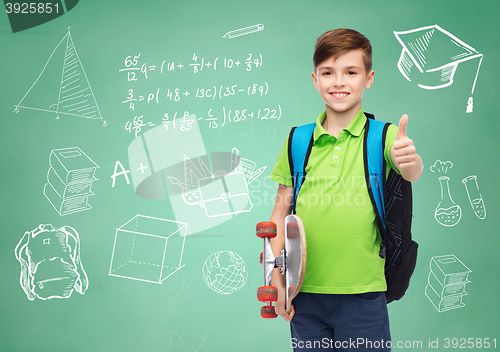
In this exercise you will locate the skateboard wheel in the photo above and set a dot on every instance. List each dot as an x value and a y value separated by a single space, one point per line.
261 257
266 229
267 312
267 294
293 230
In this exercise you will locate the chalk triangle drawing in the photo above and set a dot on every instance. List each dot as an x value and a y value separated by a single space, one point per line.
62 87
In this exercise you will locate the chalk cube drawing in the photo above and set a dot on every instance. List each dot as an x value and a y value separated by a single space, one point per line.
148 249
446 282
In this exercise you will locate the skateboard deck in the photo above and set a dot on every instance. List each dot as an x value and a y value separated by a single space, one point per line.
295 258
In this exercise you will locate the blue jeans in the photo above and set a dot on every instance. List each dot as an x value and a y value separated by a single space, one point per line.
328 322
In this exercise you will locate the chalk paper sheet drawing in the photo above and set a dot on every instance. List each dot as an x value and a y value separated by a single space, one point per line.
69 180
51 264
148 249
62 87
224 272
446 282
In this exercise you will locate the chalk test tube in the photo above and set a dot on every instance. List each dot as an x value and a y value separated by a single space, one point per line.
475 198
244 31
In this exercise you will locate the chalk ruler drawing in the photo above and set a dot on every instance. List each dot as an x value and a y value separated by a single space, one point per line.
69 180
204 189
446 282
62 87
51 265
224 272
148 249
436 54
244 31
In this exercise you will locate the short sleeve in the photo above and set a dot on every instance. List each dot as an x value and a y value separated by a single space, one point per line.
281 171
390 138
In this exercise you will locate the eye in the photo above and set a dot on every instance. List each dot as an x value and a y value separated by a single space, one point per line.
351 73
327 73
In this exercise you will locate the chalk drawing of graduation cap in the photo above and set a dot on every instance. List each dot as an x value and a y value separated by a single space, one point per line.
436 54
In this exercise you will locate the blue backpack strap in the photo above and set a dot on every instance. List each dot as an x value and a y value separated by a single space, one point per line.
375 165
300 143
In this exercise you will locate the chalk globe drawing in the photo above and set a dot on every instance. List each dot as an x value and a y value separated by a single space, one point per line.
224 272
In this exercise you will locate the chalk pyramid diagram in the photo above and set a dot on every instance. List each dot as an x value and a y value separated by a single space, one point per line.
62 87
435 54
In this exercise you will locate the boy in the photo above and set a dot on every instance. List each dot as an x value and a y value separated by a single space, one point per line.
342 303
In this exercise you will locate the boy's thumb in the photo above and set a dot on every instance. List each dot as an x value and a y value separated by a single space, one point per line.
403 122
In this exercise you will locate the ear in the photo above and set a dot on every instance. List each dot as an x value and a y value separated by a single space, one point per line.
315 80
369 79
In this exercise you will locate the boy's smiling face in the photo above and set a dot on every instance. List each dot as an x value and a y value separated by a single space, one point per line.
341 83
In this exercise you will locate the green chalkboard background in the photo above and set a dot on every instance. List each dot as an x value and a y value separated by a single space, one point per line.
184 313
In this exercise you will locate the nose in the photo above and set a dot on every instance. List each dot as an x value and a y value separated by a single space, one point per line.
339 81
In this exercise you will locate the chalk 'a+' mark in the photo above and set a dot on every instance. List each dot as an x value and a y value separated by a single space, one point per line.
75 96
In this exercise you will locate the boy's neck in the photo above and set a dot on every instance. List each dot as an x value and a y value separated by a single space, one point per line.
337 121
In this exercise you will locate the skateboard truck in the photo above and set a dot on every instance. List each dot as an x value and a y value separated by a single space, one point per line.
291 261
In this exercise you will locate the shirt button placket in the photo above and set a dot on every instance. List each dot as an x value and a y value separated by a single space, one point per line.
335 161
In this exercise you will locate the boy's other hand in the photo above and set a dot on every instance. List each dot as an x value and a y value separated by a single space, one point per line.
280 308
404 149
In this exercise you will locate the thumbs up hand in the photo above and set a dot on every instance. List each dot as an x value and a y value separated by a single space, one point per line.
403 152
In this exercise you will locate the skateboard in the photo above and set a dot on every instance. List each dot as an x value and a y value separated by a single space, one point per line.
291 261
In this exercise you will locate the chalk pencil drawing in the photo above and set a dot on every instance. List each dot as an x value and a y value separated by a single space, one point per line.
51 264
69 180
475 197
148 249
62 87
244 31
436 55
446 282
224 272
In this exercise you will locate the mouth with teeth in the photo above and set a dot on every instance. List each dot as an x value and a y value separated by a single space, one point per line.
339 95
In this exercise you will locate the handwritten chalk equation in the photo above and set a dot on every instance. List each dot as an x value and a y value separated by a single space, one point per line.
176 94
215 119
136 68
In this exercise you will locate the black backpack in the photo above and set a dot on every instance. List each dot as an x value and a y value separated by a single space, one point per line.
393 210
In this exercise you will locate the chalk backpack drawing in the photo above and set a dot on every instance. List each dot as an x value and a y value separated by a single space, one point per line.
391 197
50 261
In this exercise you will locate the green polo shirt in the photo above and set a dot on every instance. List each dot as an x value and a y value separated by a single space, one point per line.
343 239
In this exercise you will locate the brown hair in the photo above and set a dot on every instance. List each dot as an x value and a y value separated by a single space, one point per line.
337 42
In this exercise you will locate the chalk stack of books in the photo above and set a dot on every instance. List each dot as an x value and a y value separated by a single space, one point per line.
446 282
69 180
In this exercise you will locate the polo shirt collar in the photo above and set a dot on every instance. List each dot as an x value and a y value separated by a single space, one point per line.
355 127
